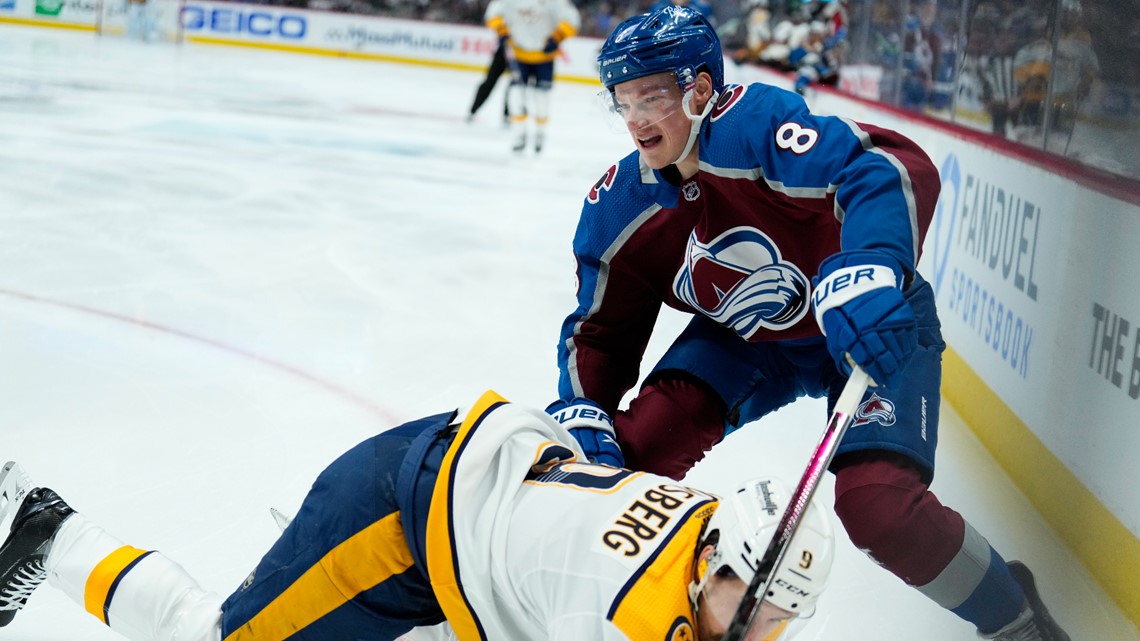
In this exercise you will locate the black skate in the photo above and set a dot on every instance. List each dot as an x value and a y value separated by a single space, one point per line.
1034 623
23 553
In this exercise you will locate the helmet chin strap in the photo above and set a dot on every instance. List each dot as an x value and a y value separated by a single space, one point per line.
695 119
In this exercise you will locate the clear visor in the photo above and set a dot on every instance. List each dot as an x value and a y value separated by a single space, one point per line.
722 597
635 105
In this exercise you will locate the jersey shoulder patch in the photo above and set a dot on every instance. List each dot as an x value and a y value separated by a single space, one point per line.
729 98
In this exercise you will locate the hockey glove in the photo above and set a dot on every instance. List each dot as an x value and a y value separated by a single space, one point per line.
589 424
861 309
551 46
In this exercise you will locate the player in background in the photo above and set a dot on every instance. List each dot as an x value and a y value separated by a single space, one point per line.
495 70
793 240
490 519
534 30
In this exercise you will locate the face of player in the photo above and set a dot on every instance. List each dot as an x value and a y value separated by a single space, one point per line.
718 602
650 107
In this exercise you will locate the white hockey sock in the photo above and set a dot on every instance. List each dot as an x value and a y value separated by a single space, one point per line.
541 106
142 595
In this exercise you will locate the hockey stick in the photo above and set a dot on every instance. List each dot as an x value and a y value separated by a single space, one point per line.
837 424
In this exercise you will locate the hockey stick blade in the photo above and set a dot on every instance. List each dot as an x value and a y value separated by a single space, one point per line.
837 425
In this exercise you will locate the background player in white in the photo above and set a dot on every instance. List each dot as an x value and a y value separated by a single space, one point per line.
793 240
487 519
533 29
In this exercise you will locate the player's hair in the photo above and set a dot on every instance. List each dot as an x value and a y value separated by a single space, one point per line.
673 38
746 521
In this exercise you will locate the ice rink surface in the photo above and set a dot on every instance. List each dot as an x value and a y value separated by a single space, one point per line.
220 268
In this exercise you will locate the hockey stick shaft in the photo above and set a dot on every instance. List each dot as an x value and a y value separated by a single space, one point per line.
837 424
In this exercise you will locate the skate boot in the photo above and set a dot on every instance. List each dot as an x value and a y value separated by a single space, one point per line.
539 138
520 142
1034 623
23 553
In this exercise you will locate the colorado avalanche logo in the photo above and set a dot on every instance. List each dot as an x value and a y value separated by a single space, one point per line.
875 410
604 183
740 281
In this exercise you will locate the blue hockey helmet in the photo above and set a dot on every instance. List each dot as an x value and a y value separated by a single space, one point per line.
673 38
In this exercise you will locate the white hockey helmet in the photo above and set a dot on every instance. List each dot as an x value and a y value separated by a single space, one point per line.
747 520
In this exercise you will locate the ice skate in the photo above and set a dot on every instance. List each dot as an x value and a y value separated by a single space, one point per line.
539 139
24 551
520 142
1034 623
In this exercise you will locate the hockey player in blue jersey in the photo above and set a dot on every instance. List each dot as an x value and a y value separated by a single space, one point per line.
793 240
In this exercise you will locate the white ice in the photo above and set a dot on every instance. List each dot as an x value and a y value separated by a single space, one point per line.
220 268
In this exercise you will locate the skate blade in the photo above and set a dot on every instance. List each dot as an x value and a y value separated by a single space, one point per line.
14 485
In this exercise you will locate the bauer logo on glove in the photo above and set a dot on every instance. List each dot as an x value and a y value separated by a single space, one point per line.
862 311
592 427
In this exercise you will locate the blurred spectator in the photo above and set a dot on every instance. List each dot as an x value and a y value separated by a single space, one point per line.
985 91
818 57
922 55
1070 72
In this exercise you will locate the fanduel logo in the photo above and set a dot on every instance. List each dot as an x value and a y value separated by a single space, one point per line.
740 280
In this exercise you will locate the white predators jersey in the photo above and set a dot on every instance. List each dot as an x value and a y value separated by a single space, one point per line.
525 543
530 23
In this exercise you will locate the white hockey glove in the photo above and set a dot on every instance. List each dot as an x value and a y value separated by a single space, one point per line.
592 427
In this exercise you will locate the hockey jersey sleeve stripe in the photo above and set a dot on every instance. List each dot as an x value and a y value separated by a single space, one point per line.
564 31
904 177
649 604
443 562
103 580
593 277
498 25
363 561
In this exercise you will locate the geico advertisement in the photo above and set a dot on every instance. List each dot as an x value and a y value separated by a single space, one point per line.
469 45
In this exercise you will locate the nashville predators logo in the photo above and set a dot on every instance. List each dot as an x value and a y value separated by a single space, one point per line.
604 183
682 630
875 410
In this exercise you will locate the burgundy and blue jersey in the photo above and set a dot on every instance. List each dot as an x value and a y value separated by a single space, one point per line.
779 189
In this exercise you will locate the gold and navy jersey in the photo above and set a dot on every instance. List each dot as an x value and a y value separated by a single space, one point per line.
525 541
531 23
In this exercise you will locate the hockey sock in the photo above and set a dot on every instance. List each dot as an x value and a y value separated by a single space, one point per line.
139 594
891 515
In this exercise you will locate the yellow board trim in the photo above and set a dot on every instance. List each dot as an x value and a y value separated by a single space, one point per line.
1107 548
52 24
97 590
445 581
363 561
